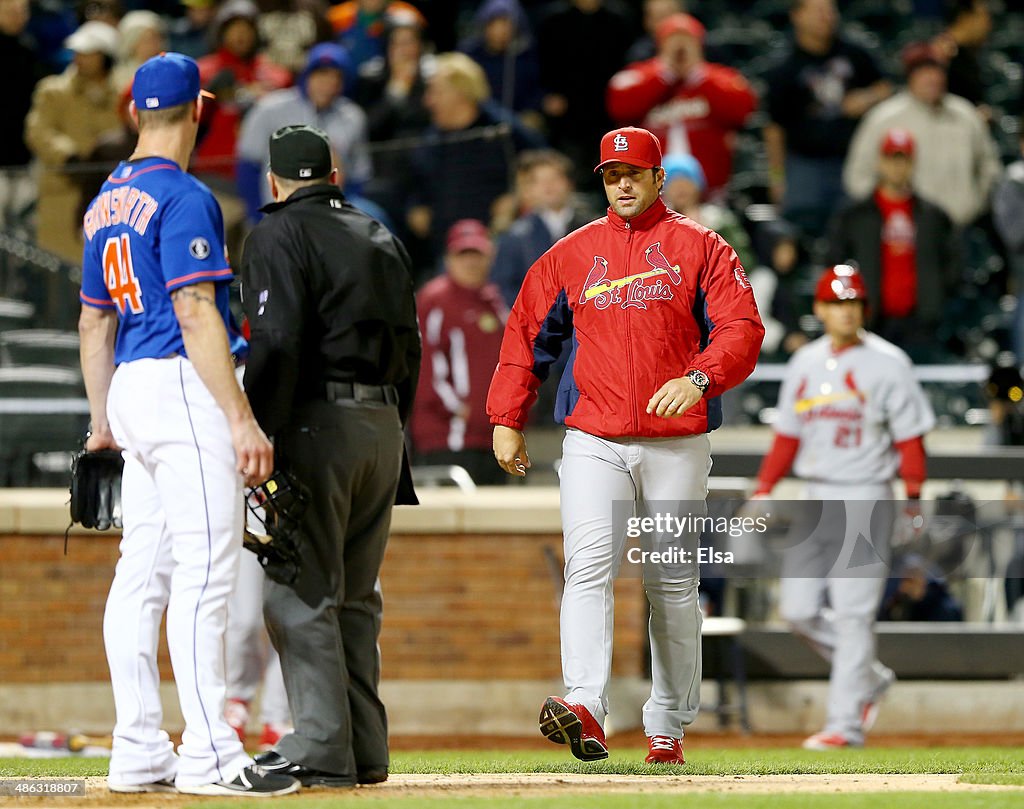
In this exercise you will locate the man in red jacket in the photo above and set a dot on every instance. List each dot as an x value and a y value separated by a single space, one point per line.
662 322
461 317
691 105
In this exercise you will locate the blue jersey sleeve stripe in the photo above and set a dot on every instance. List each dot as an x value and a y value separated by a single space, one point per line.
197 277
136 174
97 302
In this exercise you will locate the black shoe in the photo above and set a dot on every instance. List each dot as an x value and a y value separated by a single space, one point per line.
372 775
274 762
252 782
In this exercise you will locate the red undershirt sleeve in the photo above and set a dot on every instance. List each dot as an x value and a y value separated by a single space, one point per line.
777 462
913 464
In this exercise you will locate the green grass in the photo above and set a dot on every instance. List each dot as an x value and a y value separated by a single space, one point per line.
975 761
52 767
1005 779
783 761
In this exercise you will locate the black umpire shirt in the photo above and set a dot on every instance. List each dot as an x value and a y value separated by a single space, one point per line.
328 293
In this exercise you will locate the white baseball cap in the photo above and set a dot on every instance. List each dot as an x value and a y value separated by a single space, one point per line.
94 37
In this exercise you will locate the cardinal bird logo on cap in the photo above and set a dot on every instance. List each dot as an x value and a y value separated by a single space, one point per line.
621 143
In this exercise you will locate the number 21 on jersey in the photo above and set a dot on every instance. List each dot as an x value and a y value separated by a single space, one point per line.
119 274
848 436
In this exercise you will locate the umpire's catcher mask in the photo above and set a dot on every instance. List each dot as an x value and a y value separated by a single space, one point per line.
273 511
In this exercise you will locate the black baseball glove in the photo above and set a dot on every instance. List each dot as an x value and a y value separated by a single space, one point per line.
96 489
273 513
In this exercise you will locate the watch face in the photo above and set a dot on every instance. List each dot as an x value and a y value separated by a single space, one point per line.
699 378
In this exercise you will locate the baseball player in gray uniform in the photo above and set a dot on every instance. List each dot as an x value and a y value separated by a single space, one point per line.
851 416
662 321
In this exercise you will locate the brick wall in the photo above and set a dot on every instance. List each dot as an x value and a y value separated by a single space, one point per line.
455 607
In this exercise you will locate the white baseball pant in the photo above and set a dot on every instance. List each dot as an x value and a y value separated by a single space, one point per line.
182 501
595 472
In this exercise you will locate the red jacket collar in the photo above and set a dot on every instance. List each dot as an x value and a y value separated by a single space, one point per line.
644 221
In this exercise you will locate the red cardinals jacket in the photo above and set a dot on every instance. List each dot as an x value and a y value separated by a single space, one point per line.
461 331
710 106
643 302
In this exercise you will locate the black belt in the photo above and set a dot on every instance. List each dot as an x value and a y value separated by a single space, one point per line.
356 391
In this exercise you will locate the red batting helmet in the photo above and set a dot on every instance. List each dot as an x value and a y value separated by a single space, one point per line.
841 283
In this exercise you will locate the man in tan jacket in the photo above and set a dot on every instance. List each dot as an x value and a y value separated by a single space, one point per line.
69 113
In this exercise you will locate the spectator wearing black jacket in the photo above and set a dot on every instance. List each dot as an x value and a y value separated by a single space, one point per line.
503 46
782 286
334 363
968 24
391 89
582 44
19 65
465 166
907 250
816 95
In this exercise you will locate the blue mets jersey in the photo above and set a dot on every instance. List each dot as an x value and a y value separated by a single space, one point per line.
152 229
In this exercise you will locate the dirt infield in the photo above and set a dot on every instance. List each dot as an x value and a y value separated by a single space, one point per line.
542 785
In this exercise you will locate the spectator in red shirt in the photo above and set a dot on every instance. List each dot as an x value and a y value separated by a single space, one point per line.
907 249
239 76
462 318
691 105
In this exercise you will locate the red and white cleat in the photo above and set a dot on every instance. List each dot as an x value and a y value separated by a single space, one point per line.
236 712
272 734
570 723
869 714
664 750
828 741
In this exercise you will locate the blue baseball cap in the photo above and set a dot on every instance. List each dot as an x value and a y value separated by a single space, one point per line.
684 166
327 54
166 81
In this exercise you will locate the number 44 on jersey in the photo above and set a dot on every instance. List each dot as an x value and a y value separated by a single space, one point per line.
119 274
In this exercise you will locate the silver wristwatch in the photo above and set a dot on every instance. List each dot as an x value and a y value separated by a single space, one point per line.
699 378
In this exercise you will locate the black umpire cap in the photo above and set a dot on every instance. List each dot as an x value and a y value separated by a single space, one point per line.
300 152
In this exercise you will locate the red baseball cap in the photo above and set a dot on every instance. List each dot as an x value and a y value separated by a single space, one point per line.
842 282
631 145
898 141
920 54
468 234
679 24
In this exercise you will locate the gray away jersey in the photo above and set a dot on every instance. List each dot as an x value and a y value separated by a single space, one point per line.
848 408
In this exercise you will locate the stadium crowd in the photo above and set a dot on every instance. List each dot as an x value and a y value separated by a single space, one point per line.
805 131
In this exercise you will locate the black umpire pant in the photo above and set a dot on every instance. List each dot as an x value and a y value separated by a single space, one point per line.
326 625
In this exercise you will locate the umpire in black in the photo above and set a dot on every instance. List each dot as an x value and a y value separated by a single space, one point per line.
335 355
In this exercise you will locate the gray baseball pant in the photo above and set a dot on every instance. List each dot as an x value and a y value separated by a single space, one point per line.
595 473
327 624
843 557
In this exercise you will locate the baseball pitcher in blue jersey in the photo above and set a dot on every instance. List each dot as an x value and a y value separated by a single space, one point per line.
157 356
